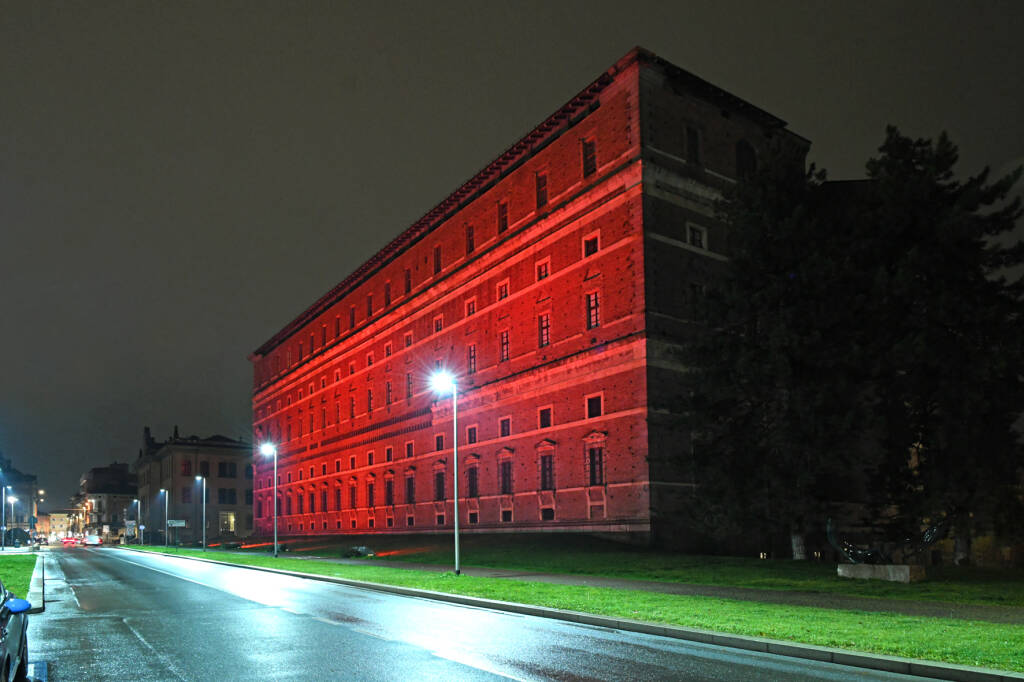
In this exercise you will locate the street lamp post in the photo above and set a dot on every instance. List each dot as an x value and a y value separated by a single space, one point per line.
138 520
12 499
203 479
268 450
3 517
444 382
166 501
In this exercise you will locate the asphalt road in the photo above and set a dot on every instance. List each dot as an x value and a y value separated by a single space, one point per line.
119 615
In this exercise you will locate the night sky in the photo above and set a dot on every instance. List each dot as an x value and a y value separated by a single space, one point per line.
180 180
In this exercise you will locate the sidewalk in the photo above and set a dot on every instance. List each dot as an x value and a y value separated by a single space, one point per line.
1013 615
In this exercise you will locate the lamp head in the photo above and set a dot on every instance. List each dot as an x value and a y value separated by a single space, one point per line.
442 382
268 450
199 478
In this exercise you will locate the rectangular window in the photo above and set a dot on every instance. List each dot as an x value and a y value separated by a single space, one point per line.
503 290
387 393
387 349
594 406
352 317
408 385
337 326
473 482
470 241
410 491
302 503
369 458
351 497
369 305
323 500
471 359
503 355
593 311
542 189
692 145
186 468
351 368
543 330
389 454
438 486
351 408
408 339
439 442
408 280
369 400
312 503
387 294
543 269
370 497
471 435
389 492
323 469
408 450
505 427
696 235
369 359
204 469
502 216
590 246
470 307
547 472
589 157
337 499
437 259
438 323
595 457
506 477
544 417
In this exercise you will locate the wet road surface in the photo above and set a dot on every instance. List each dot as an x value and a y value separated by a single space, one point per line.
120 615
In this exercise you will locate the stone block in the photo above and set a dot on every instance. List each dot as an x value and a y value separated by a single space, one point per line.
897 573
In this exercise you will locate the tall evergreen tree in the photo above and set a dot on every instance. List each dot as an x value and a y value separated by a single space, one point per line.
776 408
947 335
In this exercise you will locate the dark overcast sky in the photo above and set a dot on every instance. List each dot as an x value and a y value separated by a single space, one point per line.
180 180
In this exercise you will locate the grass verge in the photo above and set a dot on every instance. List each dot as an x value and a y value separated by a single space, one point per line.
16 572
937 639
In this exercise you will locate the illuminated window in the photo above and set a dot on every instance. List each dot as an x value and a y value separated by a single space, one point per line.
589 151
505 426
541 181
437 259
503 355
692 145
595 463
544 417
593 310
547 472
470 240
543 330
502 216
471 359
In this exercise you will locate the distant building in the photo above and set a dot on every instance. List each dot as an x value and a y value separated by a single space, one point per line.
104 500
556 284
60 524
172 465
23 488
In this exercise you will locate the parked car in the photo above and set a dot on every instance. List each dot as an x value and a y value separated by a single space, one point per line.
14 638
94 540
69 541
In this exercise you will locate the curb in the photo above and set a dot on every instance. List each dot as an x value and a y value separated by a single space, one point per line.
906 666
37 588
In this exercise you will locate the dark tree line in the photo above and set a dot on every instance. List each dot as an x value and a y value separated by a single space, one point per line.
862 348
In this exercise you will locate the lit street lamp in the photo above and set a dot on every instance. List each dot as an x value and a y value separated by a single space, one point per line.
12 499
166 500
138 520
443 383
203 479
268 450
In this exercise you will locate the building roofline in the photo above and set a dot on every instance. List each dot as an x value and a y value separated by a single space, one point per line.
506 162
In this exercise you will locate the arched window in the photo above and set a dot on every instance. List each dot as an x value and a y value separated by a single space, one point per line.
746 160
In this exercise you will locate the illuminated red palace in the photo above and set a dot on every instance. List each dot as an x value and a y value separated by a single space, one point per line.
554 285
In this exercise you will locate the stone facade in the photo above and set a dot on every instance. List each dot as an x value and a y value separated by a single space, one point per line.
554 285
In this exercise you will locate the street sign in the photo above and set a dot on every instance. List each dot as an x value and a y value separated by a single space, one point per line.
175 523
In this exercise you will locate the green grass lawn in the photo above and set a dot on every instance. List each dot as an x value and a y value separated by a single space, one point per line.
938 639
16 572
586 555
